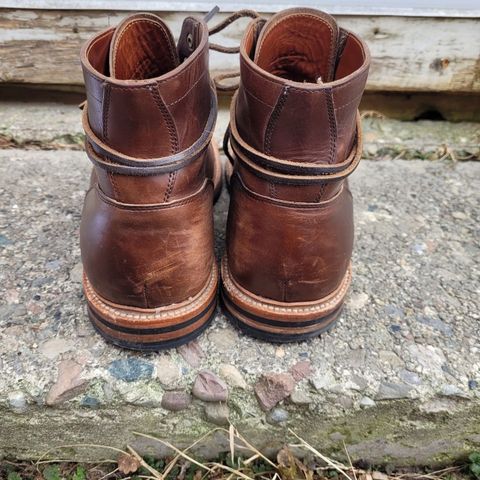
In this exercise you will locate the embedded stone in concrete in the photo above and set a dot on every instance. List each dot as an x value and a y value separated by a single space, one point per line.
366 402
76 273
232 376
358 301
277 415
17 401
453 391
323 380
299 397
397 205
209 387
427 357
130 369
69 383
409 377
192 353
168 372
301 370
392 391
54 347
217 413
272 388
176 401
223 340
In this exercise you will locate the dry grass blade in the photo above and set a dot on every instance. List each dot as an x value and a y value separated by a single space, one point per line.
145 477
108 474
66 460
448 152
325 468
352 468
75 445
144 464
437 474
255 450
251 459
231 436
400 155
183 470
372 114
233 470
174 461
175 449
338 467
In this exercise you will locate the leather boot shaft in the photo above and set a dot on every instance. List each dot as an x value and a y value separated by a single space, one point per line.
147 225
302 79
295 136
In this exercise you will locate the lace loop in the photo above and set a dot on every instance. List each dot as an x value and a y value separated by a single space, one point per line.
229 50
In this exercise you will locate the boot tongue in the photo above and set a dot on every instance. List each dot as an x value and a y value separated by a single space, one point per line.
300 45
142 47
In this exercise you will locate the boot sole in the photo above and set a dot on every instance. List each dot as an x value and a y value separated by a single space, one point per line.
280 322
156 328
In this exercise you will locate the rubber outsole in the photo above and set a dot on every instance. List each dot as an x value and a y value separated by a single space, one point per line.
153 346
327 324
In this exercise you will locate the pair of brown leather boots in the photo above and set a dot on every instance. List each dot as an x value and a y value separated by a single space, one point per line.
150 274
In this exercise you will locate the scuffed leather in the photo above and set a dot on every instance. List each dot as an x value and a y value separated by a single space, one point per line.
147 240
286 252
148 256
290 237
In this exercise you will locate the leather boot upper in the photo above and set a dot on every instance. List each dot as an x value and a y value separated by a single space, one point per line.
295 136
147 227
302 78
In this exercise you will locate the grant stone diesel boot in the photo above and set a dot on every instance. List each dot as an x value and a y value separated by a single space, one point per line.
146 234
295 138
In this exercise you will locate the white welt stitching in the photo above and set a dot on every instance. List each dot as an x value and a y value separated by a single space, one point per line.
320 307
154 314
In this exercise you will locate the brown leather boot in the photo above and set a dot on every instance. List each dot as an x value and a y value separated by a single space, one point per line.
150 277
295 136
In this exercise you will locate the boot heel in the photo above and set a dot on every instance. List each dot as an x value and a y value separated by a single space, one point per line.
152 329
280 322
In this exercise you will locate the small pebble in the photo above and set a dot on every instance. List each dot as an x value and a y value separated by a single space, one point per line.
277 415
217 413
130 369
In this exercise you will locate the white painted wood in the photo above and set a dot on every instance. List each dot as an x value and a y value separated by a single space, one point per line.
409 53
429 8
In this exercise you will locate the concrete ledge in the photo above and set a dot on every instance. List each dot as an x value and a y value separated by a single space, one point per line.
50 126
397 380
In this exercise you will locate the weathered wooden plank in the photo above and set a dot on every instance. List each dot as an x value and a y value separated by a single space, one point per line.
410 8
409 53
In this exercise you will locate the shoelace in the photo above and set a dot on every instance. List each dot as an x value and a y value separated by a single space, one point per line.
217 80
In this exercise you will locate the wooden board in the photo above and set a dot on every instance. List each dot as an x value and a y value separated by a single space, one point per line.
409 8
409 53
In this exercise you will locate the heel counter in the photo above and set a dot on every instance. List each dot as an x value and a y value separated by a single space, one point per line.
147 256
287 251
